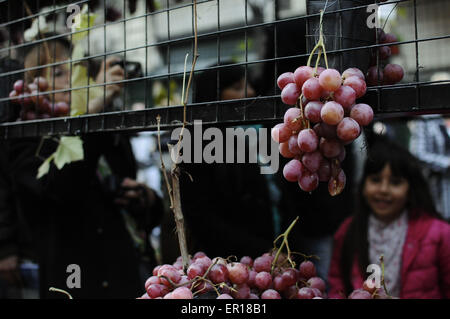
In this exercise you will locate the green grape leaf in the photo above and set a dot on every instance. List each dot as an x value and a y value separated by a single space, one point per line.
45 167
70 149
79 97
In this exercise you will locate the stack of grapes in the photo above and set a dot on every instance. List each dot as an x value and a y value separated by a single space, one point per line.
383 73
247 279
327 99
34 104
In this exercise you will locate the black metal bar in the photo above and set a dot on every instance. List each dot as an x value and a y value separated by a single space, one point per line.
395 99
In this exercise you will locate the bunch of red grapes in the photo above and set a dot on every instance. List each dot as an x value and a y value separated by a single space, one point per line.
36 105
369 292
326 99
384 73
247 279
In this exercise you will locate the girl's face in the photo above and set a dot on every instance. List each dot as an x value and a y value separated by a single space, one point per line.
386 194
237 91
59 75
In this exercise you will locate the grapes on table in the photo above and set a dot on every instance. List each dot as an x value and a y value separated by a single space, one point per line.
265 277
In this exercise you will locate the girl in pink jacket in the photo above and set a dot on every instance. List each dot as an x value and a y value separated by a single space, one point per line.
396 218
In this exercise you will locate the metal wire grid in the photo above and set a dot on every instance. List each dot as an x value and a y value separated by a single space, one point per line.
400 99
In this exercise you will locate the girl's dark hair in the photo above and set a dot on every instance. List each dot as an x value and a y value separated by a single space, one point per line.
206 84
382 151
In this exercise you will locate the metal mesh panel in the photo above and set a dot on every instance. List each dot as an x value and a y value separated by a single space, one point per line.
263 37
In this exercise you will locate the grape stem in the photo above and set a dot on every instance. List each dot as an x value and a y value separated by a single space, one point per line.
61 291
174 189
319 46
305 122
284 243
383 282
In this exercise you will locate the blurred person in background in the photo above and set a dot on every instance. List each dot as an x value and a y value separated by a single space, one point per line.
226 206
84 213
395 217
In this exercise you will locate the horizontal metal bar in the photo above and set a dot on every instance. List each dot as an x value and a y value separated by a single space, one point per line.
394 100
242 28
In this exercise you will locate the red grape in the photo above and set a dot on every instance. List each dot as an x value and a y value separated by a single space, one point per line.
284 150
362 113
281 133
218 273
312 111
330 80
356 84
325 130
197 255
302 74
292 170
251 278
392 73
270 294
18 86
360 294
157 290
311 89
238 273
292 118
279 283
152 280
195 270
307 140
330 148
289 276
182 293
348 129
263 280
171 273
336 185
263 263
247 260
332 113
293 145
204 261
312 161
353 72
324 171
308 181
290 94
61 109
374 76
284 79
242 291
224 296
41 82
384 52
307 269
317 282
305 293
345 96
